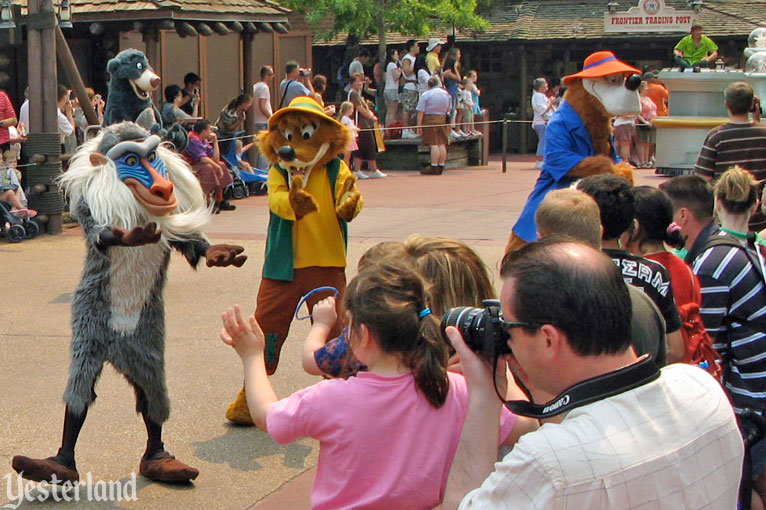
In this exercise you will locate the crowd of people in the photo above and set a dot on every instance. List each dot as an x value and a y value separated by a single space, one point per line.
605 317
596 302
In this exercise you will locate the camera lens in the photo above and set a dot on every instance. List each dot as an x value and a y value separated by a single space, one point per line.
480 328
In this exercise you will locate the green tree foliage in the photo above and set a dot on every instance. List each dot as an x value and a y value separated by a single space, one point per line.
364 18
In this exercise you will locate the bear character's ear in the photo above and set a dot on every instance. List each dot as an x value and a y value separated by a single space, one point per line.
113 65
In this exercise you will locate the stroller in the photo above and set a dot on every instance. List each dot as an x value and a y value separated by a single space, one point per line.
16 227
244 183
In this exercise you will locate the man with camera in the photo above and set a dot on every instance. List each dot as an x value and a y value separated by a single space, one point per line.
297 82
630 435
738 142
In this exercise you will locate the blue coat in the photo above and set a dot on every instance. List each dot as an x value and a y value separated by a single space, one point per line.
567 142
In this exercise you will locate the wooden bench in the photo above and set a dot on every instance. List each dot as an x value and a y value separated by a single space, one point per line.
409 154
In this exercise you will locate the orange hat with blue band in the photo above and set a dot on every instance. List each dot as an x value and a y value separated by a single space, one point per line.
601 63
304 104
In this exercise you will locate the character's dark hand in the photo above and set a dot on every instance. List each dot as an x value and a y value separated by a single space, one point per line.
348 199
137 236
222 255
301 201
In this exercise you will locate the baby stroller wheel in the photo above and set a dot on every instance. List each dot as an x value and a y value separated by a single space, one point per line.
239 191
15 233
31 228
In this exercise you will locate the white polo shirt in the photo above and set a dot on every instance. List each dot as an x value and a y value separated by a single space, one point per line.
671 444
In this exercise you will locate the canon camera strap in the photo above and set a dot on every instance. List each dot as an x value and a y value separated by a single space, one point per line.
590 390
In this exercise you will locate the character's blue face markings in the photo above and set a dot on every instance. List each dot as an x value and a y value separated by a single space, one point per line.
129 166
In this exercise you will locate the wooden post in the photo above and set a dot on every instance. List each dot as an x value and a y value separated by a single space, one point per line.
44 142
152 41
35 74
248 51
70 68
523 99
49 72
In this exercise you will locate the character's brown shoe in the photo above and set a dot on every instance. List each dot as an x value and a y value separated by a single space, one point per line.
238 412
163 467
44 470
430 170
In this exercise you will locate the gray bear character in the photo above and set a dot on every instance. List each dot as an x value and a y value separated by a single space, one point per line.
135 201
131 83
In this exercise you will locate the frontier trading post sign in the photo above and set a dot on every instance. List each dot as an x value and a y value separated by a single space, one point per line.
649 16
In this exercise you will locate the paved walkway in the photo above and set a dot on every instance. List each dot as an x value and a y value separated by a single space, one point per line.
240 468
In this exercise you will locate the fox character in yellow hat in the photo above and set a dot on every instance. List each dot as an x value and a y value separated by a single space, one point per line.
312 197
578 138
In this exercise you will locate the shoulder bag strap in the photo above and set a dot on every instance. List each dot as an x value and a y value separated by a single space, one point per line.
284 94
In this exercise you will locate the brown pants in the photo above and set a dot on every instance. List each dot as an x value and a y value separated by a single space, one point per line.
277 299
212 182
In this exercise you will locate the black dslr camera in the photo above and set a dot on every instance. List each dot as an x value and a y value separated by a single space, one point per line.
480 327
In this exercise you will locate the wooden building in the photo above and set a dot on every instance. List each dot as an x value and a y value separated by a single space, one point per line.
551 38
224 41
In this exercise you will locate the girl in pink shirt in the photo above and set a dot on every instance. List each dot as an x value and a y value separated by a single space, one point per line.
387 436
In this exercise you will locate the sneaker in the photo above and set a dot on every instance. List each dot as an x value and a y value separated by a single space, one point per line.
377 174
361 175
539 165
453 134
226 206
408 133
461 134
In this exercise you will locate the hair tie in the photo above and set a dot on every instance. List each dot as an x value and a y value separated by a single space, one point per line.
673 227
425 311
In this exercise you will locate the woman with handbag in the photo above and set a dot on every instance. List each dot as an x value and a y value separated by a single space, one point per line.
365 121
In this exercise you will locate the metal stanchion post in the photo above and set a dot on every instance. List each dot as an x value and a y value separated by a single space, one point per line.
505 138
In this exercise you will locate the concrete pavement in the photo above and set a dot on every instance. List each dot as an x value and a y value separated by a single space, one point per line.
240 468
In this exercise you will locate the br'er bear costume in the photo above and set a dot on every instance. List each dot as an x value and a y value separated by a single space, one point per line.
121 185
131 83
578 138
312 197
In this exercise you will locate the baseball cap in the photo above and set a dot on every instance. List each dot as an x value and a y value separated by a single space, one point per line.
433 43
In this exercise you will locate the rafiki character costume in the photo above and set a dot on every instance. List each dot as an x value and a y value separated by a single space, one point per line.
312 197
121 186
578 138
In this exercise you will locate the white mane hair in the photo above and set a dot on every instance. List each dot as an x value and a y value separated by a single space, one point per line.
112 204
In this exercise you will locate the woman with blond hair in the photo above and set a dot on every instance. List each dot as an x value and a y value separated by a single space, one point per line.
455 276
736 199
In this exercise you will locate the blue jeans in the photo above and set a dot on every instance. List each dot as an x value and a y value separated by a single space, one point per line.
261 162
540 130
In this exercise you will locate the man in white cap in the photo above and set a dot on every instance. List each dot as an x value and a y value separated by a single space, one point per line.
432 57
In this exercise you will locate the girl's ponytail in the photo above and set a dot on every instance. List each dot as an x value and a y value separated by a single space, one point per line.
429 362
390 298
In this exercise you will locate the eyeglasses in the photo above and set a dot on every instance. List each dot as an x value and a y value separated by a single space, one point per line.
509 325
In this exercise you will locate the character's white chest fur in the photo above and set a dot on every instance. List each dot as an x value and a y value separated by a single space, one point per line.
132 276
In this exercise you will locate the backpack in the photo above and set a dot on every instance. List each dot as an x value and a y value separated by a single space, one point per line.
342 75
698 344
393 131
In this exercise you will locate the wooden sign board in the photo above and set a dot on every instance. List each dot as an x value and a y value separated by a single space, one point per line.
649 16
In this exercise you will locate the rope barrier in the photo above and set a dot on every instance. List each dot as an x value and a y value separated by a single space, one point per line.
383 128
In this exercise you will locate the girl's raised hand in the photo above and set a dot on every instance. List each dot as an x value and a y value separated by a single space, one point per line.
324 312
245 336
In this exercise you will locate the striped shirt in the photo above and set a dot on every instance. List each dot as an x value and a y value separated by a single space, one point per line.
733 293
735 144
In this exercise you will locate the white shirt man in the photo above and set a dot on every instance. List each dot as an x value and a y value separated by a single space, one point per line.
262 98
665 441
